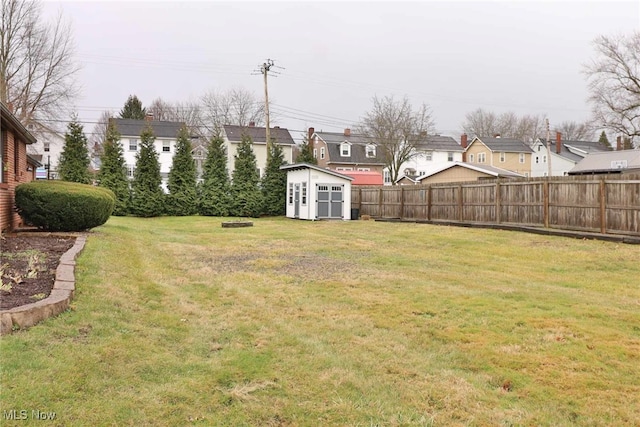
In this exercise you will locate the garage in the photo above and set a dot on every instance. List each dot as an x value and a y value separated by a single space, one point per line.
314 193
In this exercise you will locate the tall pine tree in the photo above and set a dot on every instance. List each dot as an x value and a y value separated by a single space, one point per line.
133 109
113 173
245 189
274 182
74 160
147 197
604 140
182 178
214 192
306 153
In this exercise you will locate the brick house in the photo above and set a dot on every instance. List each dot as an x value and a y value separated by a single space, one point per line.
15 166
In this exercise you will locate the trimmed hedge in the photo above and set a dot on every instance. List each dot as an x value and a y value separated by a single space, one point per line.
64 206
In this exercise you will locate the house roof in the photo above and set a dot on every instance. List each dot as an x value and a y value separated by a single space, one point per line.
489 170
258 135
161 129
439 143
364 177
608 161
575 150
12 121
507 145
358 152
299 166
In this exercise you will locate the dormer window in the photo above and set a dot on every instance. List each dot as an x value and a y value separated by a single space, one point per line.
371 150
345 149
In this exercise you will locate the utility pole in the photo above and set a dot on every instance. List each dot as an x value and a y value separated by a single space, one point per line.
548 150
265 70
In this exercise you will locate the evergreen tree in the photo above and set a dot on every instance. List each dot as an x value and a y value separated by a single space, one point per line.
274 183
245 189
306 153
214 192
74 160
113 174
133 109
604 140
147 197
182 178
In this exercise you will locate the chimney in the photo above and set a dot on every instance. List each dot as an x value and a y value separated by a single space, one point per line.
347 132
310 134
619 143
463 144
252 124
558 142
148 117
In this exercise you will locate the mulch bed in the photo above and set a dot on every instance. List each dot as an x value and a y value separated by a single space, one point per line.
28 267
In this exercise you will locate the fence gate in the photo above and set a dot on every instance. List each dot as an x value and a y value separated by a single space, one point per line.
330 200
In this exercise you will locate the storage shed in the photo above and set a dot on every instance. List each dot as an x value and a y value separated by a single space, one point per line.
317 193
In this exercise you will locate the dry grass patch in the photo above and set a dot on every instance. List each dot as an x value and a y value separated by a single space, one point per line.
178 321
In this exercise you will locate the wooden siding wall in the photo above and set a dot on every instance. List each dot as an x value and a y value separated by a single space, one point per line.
607 204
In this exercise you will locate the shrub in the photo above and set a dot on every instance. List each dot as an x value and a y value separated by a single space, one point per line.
64 206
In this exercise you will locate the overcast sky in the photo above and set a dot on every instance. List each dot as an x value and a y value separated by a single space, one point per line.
456 57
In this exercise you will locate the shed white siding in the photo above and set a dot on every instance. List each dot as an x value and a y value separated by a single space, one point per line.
315 194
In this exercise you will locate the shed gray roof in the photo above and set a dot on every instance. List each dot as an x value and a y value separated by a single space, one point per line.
507 145
299 166
358 148
609 161
258 135
161 129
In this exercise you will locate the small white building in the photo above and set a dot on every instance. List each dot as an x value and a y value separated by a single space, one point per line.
315 193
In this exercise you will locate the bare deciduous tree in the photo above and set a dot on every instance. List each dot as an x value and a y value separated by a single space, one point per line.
188 112
36 61
99 134
236 106
573 131
614 83
397 129
487 123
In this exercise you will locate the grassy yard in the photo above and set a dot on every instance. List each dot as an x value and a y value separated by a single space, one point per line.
178 321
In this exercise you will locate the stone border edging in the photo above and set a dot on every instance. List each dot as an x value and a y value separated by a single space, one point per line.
58 300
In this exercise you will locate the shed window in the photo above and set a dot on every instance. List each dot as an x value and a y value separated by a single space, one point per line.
291 193
304 194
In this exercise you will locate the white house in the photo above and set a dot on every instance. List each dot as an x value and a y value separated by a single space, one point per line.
564 155
317 193
165 133
46 149
434 153
232 136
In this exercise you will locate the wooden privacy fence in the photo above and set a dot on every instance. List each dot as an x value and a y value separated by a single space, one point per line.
602 204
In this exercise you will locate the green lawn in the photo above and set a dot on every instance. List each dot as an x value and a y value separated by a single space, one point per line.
178 321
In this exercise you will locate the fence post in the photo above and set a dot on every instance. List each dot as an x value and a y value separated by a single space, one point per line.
498 207
380 202
545 201
460 205
401 202
429 203
603 207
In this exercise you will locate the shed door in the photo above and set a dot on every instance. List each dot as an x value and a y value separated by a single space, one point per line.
296 201
330 200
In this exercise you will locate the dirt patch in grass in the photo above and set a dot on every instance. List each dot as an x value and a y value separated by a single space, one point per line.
28 267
